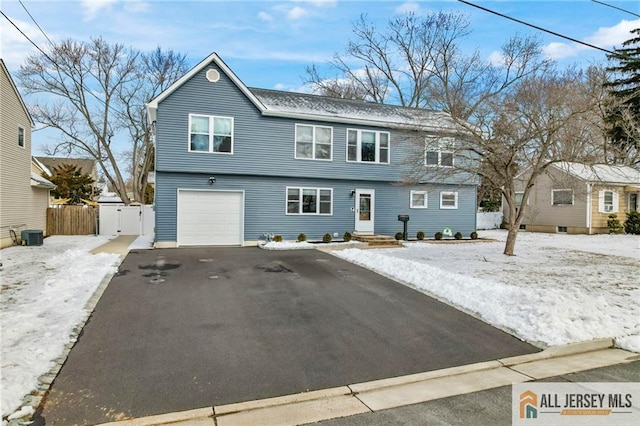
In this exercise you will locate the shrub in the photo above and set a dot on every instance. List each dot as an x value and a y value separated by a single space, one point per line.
302 237
632 224
474 235
438 235
326 238
399 235
277 238
458 235
615 227
346 237
420 235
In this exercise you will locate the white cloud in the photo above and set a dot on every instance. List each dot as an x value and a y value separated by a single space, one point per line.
318 3
15 47
408 7
297 13
93 7
562 50
496 58
604 37
613 36
264 16
136 6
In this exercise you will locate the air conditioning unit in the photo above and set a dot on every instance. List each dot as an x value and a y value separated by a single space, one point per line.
31 237
608 208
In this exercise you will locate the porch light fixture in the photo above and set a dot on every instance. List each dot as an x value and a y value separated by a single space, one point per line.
212 180
353 192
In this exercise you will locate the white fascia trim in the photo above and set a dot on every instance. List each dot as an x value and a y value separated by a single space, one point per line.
152 105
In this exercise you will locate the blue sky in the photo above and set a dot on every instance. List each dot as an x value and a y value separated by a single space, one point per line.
268 44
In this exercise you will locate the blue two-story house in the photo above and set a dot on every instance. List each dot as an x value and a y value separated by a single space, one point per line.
235 163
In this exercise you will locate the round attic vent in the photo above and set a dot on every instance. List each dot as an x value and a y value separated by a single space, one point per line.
213 75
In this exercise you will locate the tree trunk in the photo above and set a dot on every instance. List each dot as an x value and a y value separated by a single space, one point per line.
510 245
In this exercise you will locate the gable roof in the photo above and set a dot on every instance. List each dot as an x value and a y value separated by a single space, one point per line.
15 89
152 106
602 173
318 108
85 165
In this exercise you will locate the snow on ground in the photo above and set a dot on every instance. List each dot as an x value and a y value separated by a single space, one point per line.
557 289
44 293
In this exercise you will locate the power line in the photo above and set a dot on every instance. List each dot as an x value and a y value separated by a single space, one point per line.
538 28
34 21
616 7
56 64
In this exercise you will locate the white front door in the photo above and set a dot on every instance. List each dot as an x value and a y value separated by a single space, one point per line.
365 202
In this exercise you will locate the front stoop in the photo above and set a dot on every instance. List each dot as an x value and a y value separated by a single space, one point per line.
378 241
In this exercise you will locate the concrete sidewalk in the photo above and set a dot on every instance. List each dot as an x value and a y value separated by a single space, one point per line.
119 245
375 396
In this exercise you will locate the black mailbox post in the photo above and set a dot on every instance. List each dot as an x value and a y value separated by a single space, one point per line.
404 218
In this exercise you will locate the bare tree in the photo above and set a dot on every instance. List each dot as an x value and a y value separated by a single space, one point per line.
514 115
93 93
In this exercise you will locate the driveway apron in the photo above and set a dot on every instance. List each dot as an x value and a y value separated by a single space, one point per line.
178 329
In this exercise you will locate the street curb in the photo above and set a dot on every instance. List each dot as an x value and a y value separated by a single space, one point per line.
226 412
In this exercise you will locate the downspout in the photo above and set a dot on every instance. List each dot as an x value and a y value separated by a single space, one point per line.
589 222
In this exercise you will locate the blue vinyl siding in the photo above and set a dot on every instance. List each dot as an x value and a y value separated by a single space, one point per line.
262 145
265 206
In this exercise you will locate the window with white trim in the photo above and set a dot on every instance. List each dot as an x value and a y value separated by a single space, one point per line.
448 200
210 133
313 142
317 201
367 146
608 201
418 200
562 197
21 137
439 152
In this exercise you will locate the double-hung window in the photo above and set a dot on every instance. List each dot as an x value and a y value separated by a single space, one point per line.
439 152
209 133
318 201
562 197
608 201
21 137
314 142
418 200
448 200
368 146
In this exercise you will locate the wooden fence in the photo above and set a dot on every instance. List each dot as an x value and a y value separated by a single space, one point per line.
71 220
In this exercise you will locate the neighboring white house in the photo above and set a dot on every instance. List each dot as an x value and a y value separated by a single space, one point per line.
578 198
24 194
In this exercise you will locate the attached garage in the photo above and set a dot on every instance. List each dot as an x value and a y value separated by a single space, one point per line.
210 218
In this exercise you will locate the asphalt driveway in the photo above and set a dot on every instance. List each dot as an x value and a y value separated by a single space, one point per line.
178 329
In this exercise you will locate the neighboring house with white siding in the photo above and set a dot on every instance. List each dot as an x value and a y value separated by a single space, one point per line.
578 198
24 194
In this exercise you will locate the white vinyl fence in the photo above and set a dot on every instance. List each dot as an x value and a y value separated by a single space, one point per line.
126 220
489 220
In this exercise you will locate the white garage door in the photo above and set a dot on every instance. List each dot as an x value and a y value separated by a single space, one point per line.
210 218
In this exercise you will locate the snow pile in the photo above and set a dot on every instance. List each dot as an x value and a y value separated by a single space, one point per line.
44 293
558 289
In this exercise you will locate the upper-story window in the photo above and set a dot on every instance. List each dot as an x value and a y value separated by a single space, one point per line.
209 133
439 152
562 197
368 146
21 137
313 142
